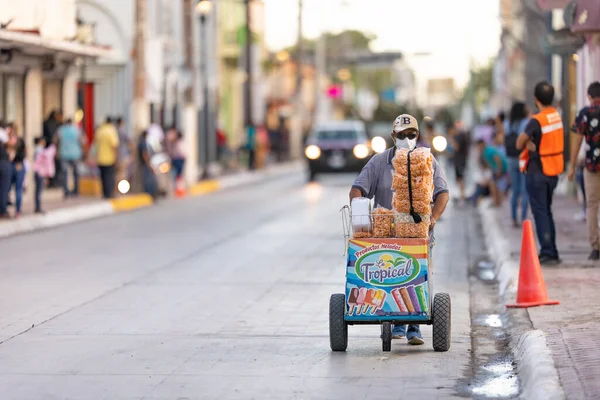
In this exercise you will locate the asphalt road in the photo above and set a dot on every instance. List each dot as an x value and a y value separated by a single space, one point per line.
219 297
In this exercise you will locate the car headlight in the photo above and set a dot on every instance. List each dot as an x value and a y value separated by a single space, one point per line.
360 151
378 144
312 152
439 143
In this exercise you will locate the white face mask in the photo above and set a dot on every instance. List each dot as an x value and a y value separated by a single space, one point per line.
406 143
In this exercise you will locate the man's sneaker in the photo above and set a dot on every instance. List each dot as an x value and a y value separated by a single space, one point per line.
414 337
399 332
547 260
595 256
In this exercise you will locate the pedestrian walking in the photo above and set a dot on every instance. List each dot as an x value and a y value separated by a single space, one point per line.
43 168
588 128
581 215
106 140
513 127
495 161
5 172
50 129
18 155
144 154
459 140
375 181
176 150
251 146
542 160
70 150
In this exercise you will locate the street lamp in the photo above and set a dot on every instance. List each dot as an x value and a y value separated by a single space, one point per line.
203 9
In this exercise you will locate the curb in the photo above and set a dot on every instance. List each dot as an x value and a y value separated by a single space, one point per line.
535 366
103 208
56 218
243 178
507 269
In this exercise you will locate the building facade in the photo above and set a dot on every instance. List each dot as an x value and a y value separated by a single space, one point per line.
40 50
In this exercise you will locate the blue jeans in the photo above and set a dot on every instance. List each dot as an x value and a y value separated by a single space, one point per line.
39 187
541 190
17 179
518 188
66 165
178 166
5 180
149 179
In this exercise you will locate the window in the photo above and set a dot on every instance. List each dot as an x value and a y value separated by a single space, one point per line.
337 135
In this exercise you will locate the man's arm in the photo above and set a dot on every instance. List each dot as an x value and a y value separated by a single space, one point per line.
581 126
522 141
441 196
439 207
526 138
362 185
354 192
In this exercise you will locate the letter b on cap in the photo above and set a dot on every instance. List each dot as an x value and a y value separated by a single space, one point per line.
405 121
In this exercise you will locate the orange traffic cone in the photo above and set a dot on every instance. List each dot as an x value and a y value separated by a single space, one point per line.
532 289
180 187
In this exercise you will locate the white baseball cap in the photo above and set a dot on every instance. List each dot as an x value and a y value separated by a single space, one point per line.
404 122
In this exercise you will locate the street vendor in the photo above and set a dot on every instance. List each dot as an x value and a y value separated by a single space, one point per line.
375 181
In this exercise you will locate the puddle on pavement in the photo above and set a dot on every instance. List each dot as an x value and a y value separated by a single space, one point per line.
498 388
494 374
491 320
502 381
486 271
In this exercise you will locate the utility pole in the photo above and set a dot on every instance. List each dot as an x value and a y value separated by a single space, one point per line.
190 112
140 107
298 117
188 38
248 92
320 68
299 51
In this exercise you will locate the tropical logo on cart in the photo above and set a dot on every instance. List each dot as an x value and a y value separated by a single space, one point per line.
386 267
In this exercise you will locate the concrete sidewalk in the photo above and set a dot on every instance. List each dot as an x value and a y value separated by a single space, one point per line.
61 212
571 328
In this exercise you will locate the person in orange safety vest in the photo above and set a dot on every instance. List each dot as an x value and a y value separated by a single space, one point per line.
542 161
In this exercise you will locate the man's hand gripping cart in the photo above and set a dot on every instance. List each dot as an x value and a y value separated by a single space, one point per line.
388 281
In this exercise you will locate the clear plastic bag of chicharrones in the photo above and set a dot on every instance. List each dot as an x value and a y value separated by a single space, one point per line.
383 222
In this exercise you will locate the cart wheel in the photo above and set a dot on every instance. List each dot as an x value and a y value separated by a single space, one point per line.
338 329
386 336
441 321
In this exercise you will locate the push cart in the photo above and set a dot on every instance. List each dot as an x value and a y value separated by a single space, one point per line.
388 281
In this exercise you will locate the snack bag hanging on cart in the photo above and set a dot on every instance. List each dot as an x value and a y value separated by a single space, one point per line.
412 183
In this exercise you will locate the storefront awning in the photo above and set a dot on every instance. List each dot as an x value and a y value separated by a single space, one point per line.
587 17
36 45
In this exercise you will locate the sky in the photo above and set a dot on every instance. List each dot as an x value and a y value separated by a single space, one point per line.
449 30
